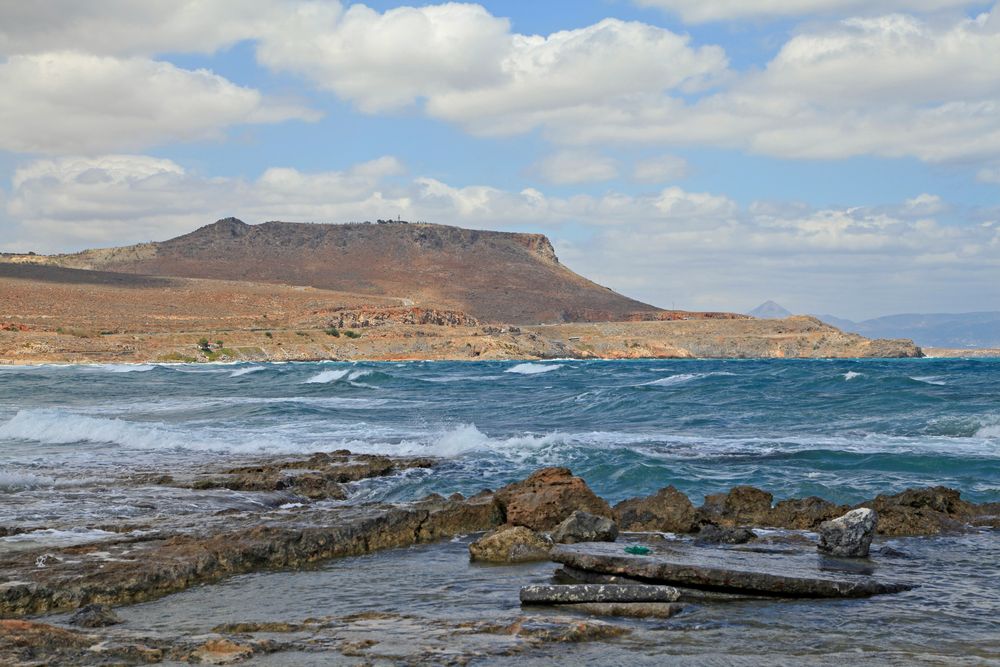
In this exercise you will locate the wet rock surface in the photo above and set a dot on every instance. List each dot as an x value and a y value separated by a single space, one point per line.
94 616
710 534
547 497
740 506
584 527
577 593
848 536
510 544
779 572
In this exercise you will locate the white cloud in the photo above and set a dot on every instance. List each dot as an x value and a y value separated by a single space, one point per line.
660 169
701 11
570 167
64 102
126 27
893 86
699 249
472 70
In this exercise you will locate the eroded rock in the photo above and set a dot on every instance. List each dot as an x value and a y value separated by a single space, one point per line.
928 511
585 527
668 510
804 513
511 544
740 506
848 536
547 497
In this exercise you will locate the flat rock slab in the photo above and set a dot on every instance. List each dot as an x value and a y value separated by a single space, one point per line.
627 609
578 593
785 574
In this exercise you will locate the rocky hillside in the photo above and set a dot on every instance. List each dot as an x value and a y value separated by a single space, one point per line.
492 276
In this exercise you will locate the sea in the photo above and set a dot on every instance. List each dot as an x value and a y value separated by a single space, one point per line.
74 440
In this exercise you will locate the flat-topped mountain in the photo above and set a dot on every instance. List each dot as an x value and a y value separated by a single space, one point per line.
494 276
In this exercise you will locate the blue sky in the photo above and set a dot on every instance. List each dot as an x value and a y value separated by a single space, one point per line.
838 156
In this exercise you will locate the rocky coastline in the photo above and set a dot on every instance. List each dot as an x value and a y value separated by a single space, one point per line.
522 522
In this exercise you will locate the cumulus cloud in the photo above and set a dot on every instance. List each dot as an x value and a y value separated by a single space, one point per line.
470 68
698 249
67 101
660 169
701 11
570 167
124 27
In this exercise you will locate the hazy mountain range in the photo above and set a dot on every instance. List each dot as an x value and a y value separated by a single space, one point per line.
958 330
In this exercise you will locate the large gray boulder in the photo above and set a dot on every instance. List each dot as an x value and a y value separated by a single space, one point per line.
585 527
850 535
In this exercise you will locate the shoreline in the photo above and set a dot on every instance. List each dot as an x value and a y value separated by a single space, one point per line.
138 574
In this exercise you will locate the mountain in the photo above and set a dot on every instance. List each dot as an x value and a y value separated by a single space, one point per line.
950 330
494 276
769 310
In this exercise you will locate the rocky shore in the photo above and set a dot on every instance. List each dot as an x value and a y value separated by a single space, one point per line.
673 541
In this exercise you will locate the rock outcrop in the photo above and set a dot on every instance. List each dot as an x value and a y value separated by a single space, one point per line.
547 497
740 506
668 511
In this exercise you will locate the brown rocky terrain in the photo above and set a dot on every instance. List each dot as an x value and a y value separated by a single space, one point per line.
493 276
283 291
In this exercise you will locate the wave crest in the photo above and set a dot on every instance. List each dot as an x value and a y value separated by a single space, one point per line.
532 369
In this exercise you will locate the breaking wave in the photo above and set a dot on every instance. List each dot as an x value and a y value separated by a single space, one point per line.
245 371
533 369
682 378
850 375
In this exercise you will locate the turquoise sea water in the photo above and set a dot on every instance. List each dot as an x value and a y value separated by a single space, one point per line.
74 442
844 430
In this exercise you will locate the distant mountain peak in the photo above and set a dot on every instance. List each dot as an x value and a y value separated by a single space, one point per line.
770 310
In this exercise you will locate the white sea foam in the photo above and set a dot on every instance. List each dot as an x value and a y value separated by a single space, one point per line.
532 369
17 481
245 371
123 368
58 538
930 379
56 427
326 377
988 431
850 375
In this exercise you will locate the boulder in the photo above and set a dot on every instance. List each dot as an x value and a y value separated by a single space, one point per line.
710 534
95 616
510 544
577 593
804 513
547 497
784 572
741 506
850 535
668 511
585 527
929 511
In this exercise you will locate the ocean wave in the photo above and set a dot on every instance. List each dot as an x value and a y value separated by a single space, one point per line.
61 538
532 369
850 375
18 481
123 368
239 372
56 427
930 379
325 377
682 378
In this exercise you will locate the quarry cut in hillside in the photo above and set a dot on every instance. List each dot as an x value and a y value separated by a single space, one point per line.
492 276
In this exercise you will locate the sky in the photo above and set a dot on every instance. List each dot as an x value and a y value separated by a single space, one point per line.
837 156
